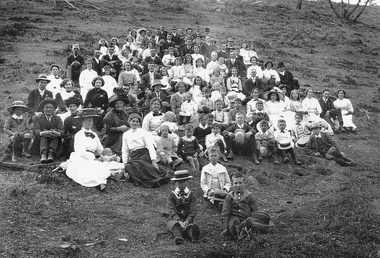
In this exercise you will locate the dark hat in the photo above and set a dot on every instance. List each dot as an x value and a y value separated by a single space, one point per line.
173 28
284 86
18 104
73 100
47 101
141 30
42 77
54 65
219 195
207 29
181 175
87 113
262 219
280 65
115 97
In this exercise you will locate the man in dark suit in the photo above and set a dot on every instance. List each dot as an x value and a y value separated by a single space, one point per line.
113 60
329 111
35 96
253 82
188 49
223 51
287 78
152 58
48 128
176 38
162 33
235 146
97 64
75 64
210 46
233 62
168 42
148 78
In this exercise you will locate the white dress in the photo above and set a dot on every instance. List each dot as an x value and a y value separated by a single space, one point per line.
345 106
312 105
82 166
109 84
85 81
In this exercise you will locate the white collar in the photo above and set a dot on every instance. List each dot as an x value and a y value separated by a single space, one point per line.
17 117
203 127
42 92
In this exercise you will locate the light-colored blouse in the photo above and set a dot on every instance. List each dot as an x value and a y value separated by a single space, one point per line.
135 139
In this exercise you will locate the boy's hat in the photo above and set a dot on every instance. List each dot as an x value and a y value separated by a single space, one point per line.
18 104
87 113
239 136
262 219
230 39
181 175
259 102
285 144
48 101
219 195
315 125
107 67
301 143
215 125
42 77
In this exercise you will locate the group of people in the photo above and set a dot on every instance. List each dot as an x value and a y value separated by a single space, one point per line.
141 109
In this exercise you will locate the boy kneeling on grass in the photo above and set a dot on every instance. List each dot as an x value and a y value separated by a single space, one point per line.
240 210
321 144
182 210
215 181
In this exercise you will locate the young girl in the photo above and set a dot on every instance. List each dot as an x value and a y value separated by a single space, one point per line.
207 105
189 108
222 67
129 43
188 148
234 85
167 149
216 77
215 92
200 71
103 47
115 43
165 79
188 69
176 72
196 89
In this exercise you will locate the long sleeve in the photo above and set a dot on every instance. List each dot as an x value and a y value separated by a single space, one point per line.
193 208
124 149
171 208
205 181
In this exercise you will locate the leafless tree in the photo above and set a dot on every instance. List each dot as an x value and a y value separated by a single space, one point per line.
346 13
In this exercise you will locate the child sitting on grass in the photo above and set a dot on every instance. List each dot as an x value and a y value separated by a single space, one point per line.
207 104
189 108
321 144
266 145
285 143
188 147
238 207
258 114
182 210
215 139
202 130
167 149
215 178
221 117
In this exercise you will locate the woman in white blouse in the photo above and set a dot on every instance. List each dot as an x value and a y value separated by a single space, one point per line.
347 110
259 71
271 76
273 106
312 105
139 156
82 166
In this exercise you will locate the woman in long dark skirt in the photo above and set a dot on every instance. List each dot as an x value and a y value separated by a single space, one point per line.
116 123
139 156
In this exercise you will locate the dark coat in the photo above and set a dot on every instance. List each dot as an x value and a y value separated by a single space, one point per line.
42 124
34 99
326 139
326 106
97 66
250 84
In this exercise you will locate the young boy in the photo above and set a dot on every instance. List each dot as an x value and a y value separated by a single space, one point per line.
300 129
266 145
259 114
321 144
182 210
202 130
235 141
215 139
221 117
188 147
207 104
285 143
18 130
214 177
238 108
238 207
227 105
167 148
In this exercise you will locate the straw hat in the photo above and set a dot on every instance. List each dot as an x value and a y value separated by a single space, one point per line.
48 101
42 77
181 175
279 94
239 136
18 104
262 219
87 113
315 125
219 195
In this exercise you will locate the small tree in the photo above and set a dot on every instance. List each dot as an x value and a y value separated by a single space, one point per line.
347 14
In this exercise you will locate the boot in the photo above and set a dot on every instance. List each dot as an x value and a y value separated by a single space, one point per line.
276 159
194 233
285 158
178 239
25 148
259 157
50 157
231 155
43 159
255 160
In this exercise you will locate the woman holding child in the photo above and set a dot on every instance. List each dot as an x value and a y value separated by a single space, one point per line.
139 156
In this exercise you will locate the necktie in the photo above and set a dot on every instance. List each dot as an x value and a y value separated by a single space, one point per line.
48 118
282 131
182 194
89 134
157 114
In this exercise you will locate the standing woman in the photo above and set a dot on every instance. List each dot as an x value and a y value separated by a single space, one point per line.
116 122
347 110
139 156
82 167
97 98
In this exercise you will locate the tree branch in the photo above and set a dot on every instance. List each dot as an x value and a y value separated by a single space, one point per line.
333 8
360 13
353 10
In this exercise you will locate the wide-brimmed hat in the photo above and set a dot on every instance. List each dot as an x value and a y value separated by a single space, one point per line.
262 219
315 125
301 143
141 30
284 86
181 175
285 144
18 104
219 195
73 100
87 113
115 97
156 82
239 136
48 100
42 77
279 94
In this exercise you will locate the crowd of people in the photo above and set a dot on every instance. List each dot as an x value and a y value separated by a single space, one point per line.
143 108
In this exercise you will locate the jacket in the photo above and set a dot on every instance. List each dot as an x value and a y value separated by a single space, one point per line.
224 178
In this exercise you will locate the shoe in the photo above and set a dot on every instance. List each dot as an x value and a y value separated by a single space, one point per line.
337 131
276 159
220 207
43 159
224 158
196 233
231 155
179 240
26 155
14 158
50 157
354 131
259 157
297 162
286 160
102 187
255 161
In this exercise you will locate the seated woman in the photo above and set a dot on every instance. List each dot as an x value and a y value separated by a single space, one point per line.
200 71
154 118
347 110
254 66
65 93
270 75
82 167
139 156
71 126
295 101
273 106
251 105
188 69
116 122
128 77
312 105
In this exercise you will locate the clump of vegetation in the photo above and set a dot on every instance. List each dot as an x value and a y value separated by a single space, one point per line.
15 29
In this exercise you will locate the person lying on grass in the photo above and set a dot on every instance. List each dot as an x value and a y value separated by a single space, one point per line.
182 210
